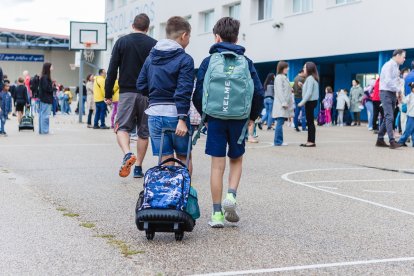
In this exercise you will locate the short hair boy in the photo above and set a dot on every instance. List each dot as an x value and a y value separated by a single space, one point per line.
225 133
167 78
5 107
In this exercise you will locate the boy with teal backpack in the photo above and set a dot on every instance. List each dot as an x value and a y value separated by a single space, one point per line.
228 94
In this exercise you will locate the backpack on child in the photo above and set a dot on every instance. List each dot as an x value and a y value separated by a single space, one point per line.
227 89
34 86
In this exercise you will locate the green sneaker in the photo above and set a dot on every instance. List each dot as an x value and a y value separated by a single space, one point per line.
217 220
230 206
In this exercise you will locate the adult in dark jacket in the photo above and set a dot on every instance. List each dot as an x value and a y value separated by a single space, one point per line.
45 97
129 54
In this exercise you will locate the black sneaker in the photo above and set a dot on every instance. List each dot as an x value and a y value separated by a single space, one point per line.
96 127
138 172
104 127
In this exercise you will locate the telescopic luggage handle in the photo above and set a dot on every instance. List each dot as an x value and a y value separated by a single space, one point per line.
172 130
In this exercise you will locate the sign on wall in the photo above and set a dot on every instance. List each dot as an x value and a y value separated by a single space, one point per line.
22 57
120 20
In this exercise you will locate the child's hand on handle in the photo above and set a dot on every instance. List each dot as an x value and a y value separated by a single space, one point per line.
181 128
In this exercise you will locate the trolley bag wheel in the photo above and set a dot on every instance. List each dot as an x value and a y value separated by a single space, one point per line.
150 235
179 236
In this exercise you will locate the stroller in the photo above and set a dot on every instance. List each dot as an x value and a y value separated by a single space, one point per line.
168 203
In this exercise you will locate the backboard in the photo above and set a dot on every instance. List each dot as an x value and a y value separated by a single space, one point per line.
87 32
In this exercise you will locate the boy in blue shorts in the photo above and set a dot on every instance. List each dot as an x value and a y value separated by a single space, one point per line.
167 78
223 134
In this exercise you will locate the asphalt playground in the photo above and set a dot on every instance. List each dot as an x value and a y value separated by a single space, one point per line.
342 208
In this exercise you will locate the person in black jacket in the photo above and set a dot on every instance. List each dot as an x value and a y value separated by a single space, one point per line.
129 54
46 98
21 98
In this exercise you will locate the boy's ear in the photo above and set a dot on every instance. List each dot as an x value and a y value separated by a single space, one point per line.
217 38
183 35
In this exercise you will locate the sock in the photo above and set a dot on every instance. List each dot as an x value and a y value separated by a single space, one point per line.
217 207
232 191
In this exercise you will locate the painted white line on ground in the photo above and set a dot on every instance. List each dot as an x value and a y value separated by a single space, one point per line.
306 267
359 180
385 192
325 187
286 178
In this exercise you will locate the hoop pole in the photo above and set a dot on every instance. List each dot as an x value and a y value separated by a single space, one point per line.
80 95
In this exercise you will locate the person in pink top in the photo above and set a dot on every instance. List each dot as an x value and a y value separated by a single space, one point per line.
327 104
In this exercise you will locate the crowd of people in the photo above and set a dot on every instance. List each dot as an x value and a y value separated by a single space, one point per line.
150 85
42 96
285 101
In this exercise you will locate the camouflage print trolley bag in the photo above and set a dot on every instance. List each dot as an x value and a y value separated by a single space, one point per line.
168 203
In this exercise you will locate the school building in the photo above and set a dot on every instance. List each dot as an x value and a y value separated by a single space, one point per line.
347 39
27 51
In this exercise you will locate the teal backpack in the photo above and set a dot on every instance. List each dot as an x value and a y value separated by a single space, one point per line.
227 90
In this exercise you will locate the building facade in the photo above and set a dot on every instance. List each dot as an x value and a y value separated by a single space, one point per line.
347 39
27 51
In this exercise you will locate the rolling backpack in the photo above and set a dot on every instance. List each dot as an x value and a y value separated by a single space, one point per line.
227 90
321 117
27 121
168 203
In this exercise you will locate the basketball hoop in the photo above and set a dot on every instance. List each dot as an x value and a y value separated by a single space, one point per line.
88 53
72 67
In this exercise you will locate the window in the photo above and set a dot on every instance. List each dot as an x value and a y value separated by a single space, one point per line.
110 5
342 2
162 33
208 21
234 11
151 32
300 6
264 9
122 3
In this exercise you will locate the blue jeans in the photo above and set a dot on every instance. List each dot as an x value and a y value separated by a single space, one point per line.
268 103
44 113
278 141
100 114
370 112
409 131
171 143
297 111
54 106
3 118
